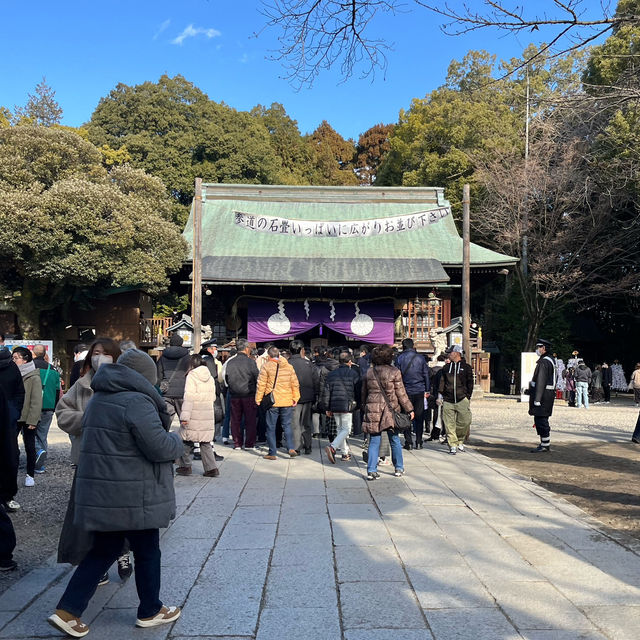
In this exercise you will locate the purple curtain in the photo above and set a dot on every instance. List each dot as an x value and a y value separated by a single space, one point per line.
365 321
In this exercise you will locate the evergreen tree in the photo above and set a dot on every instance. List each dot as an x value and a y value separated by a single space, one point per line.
41 108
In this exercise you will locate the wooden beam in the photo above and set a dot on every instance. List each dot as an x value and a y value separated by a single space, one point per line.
196 278
466 261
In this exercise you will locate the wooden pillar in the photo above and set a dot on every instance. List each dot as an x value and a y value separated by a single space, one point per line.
196 277
466 272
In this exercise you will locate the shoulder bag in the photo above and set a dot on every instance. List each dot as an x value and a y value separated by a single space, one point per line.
164 383
401 421
268 400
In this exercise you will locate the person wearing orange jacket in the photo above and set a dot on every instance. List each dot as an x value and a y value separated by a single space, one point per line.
278 382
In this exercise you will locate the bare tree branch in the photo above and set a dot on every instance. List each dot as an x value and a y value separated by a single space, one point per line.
316 35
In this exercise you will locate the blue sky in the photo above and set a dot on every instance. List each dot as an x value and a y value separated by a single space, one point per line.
85 48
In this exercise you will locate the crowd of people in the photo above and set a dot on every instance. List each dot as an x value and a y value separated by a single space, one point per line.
119 410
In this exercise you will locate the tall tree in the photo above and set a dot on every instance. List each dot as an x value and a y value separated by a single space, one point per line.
333 157
295 156
41 108
69 226
172 130
438 139
372 146
580 248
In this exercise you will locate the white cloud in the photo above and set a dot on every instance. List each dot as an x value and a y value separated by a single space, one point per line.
244 59
161 28
191 32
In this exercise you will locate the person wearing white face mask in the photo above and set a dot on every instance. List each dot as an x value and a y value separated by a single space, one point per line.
74 542
542 394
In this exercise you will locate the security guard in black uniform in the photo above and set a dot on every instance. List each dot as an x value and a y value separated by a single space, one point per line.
542 393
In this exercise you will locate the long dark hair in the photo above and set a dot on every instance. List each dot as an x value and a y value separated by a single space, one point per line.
195 361
110 347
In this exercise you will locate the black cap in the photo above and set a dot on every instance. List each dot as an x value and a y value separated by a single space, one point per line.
540 342
209 343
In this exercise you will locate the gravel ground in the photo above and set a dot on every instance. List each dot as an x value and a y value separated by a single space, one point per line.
592 464
39 520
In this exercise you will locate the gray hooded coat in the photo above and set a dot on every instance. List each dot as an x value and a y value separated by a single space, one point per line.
125 470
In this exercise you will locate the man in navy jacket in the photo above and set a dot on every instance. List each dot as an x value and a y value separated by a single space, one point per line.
415 376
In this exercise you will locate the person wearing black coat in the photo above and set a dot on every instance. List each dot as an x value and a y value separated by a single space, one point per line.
325 363
13 387
124 488
607 381
309 381
455 391
8 469
241 377
542 394
416 379
431 418
340 397
173 366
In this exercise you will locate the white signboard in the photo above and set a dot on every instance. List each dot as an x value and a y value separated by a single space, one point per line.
48 345
340 228
527 367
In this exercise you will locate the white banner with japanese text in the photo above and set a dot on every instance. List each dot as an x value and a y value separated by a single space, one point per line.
340 229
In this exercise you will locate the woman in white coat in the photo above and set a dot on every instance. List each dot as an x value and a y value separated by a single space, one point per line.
197 419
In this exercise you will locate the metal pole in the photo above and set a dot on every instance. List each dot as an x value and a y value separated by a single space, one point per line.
196 278
466 272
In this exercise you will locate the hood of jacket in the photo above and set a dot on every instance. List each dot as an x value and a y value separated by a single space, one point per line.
175 353
116 378
31 374
5 358
201 373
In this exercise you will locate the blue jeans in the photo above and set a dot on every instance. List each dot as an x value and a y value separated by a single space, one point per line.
107 546
286 414
42 430
582 393
374 450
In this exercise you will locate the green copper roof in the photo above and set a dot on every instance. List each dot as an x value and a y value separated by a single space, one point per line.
222 237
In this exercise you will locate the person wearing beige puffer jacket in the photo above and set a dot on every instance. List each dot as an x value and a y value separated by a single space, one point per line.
197 418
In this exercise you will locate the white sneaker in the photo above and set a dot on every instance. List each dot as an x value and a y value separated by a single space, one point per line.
452 451
29 481
460 447
385 463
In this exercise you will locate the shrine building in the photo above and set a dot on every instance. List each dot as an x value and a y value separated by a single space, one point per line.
335 265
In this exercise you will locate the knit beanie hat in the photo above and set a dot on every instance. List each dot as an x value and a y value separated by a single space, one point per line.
142 363
175 340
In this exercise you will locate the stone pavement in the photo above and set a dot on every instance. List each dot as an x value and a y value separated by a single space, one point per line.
460 547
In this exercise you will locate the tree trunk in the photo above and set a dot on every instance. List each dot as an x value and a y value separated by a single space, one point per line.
532 334
28 310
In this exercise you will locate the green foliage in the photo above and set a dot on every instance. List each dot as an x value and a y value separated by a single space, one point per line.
66 224
5 117
169 303
113 157
333 157
173 131
295 156
372 146
36 157
475 116
437 141
41 108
